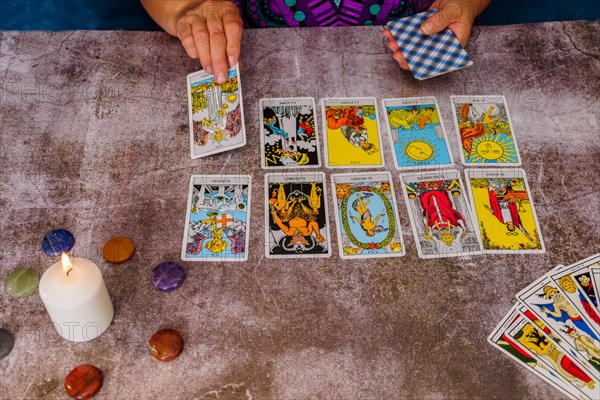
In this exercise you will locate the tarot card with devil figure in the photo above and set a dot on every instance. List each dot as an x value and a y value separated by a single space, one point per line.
296 215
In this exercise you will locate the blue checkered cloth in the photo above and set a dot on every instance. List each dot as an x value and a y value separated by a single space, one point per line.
428 55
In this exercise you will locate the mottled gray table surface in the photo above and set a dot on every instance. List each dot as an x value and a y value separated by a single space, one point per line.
94 138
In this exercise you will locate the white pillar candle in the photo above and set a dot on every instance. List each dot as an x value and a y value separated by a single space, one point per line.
76 298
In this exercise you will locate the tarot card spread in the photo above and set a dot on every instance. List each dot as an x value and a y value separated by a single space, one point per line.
440 217
215 112
485 131
289 133
367 217
352 133
217 219
297 224
417 133
504 211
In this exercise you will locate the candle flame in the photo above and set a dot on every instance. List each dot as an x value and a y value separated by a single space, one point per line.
66 263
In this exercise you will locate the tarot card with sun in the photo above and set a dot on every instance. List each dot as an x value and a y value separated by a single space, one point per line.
485 131
416 133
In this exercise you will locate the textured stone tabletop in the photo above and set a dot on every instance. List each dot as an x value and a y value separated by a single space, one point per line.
94 139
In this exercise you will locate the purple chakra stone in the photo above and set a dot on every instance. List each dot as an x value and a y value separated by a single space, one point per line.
168 276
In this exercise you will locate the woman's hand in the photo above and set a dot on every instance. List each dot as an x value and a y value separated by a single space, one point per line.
209 30
456 15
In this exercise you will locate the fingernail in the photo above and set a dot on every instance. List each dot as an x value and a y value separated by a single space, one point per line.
231 60
209 69
221 77
426 28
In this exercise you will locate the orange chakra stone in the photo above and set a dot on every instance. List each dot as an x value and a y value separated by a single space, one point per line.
84 382
118 250
166 344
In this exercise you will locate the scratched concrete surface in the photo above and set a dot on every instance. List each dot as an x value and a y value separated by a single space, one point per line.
94 138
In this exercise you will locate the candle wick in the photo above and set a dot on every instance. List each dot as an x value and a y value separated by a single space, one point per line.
69 271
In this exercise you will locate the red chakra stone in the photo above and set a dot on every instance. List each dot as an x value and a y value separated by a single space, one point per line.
84 382
166 344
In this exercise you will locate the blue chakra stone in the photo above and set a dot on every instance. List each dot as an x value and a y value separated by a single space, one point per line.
7 342
168 276
57 241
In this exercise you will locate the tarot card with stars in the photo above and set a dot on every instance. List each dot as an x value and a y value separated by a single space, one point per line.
416 133
217 218
289 133
485 131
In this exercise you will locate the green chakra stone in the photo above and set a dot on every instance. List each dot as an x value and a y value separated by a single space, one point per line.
21 282
375 9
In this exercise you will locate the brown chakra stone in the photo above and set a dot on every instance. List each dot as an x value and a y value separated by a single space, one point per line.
118 250
166 344
84 382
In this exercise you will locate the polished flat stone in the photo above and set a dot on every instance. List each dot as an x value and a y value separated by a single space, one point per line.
58 241
118 250
22 282
7 342
168 276
84 382
166 345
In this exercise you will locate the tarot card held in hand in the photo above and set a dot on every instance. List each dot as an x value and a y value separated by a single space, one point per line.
352 133
550 305
367 217
439 213
501 201
289 133
296 215
216 113
485 131
218 213
502 339
417 133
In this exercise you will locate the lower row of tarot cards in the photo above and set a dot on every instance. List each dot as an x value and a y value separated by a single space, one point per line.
496 216
554 329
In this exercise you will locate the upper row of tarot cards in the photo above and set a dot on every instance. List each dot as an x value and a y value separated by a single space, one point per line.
352 135
499 217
